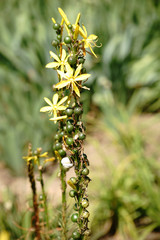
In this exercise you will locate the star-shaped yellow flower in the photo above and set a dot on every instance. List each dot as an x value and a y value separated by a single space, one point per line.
71 78
29 158
89 41
55 107
59 62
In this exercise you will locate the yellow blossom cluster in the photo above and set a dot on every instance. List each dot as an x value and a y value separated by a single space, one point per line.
70 77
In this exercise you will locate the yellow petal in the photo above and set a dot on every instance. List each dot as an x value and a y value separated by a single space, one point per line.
76 32
55 99
69 70
58 118
62 101
82 33
45 154
62 84
62 74
53 20
45 109
52 65
78 18
48 101
92 37
55 113
71 184
78 70
86 88
62 68
92 51
64 16
54 56
85 31
61 108
75 88
86 44
68 31
82 77
49 160
62 21
63 55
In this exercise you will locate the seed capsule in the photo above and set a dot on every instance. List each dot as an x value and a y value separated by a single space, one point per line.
85 171
69 112
73 180
56 26
72 193
85 214
55 43
67 40
69 141
72 60
70 26
85 203
56 136
58 146
70 127
76 235
81 60
62 153
74 217
81 136
78 110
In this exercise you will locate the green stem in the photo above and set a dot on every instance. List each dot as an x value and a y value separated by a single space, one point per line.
64 206
80 196
43 193
36 221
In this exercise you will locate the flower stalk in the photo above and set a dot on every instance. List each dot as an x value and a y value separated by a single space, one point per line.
41 227
30 168
66 107
44 197
64 202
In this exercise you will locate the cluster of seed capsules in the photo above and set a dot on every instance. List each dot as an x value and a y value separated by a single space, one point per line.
68 142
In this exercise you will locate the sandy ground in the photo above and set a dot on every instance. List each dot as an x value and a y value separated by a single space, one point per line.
100 143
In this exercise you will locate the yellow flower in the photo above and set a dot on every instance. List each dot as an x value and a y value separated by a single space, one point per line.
59 62
54 107
89 41
35 158
71 78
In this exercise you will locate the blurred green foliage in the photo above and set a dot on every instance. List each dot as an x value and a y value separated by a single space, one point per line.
125 79
127 70
126 191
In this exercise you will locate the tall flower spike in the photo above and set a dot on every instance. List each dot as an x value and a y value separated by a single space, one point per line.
59 62
54 107
89 41
71 78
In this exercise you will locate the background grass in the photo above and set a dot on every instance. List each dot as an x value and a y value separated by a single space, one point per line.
125 82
